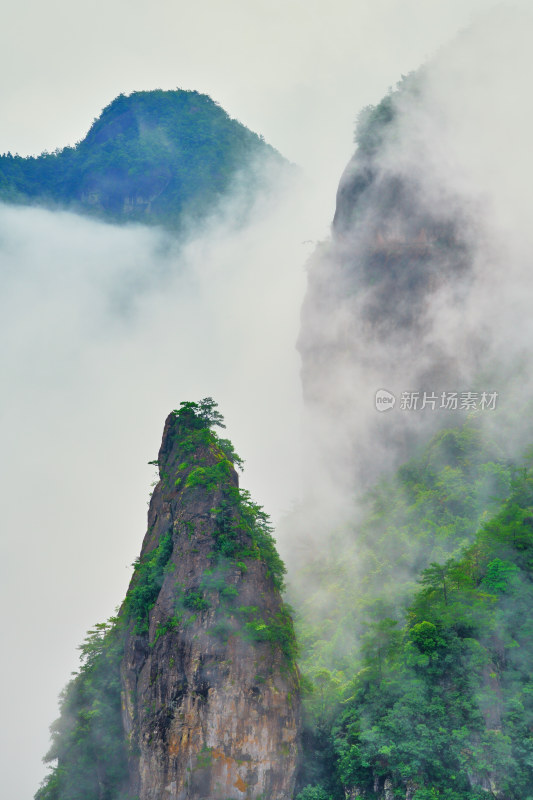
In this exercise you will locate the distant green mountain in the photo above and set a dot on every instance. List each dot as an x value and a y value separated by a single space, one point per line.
150 156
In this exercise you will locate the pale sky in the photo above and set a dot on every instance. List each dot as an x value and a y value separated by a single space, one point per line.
85 390
295 71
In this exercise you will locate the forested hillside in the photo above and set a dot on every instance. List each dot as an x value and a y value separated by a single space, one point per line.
150 156
422 687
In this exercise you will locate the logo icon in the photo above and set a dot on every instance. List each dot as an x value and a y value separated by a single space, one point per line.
384 400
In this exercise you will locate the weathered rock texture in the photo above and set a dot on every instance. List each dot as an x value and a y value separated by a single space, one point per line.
383 789
377 309
210 689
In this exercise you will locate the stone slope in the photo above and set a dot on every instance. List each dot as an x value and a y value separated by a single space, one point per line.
210 688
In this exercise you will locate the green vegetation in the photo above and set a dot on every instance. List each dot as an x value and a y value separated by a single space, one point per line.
210 477
426 683
276 629
374 123
152 156
243 529
147 581
195 601
88 738
447 701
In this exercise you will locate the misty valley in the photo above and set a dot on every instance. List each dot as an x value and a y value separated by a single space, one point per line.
377 642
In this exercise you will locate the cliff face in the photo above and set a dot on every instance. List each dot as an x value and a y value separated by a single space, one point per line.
376 312
209 685
383 790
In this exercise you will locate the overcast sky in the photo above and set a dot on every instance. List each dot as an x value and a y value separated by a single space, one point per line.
85 388
295 71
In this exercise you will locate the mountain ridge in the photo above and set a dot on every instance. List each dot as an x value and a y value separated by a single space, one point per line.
151 156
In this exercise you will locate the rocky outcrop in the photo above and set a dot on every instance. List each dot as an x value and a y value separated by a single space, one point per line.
383 789
376 315
209 684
